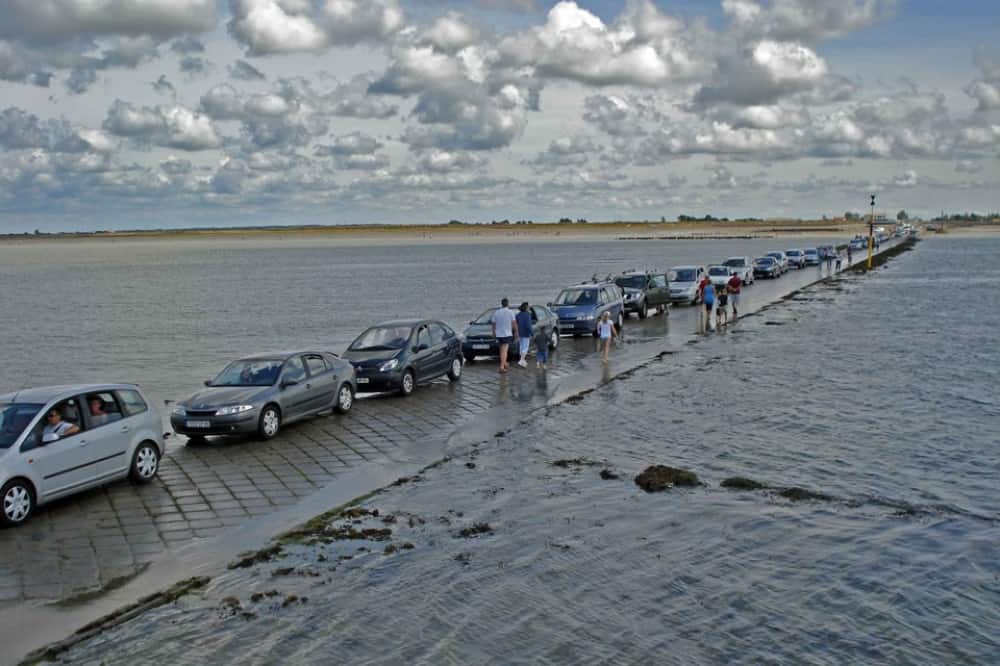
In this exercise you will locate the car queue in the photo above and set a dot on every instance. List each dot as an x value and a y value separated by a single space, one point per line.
57 441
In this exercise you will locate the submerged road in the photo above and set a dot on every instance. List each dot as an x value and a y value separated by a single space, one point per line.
80 550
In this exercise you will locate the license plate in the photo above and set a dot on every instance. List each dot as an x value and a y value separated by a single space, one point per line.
198 424
362 380
480 346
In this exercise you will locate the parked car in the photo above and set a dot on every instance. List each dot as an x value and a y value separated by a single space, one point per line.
766 267
811 256
114 432
743 267
480 341
684 282
644 291
398 355
580 306
796 258
858 243
260 394
719 275
781 258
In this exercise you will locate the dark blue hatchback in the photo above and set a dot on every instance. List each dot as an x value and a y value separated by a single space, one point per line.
580 307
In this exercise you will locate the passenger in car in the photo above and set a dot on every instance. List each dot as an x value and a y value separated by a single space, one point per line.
98 415
55 428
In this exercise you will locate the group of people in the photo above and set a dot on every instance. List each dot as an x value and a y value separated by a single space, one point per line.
508 325
719 299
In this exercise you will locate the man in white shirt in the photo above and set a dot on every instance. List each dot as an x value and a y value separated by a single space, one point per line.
504 323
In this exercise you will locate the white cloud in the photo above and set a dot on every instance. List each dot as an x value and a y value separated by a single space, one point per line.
54 20
169 126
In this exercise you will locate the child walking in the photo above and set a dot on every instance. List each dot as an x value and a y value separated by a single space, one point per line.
541 348
606 332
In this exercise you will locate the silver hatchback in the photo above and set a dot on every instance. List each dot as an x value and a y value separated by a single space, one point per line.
59 440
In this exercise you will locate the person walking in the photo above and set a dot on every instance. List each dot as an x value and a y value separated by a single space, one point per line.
523 320
504 325
606 332
722 312
734 286
541 348
708 298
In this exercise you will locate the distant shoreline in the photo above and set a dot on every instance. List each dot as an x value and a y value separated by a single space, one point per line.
379 234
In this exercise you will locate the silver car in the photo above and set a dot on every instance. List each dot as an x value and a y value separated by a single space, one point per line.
258 394
59 440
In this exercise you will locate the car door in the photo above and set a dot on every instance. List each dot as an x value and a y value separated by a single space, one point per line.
293 393
658 294
66 464
109 430
321 386
421 354
439 349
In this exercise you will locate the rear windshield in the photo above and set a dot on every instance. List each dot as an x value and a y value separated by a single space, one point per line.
683 275
14 418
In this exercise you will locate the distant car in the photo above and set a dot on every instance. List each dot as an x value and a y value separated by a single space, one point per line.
397 355
858 243
260 394
719 275
796 258
116 433
743 267
480 341
580 306
781 258
684 282
645 291
766 267
811 256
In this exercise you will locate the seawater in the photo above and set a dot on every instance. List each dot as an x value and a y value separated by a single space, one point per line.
875 390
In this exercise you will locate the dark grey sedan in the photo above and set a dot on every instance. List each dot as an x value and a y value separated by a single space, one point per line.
258 394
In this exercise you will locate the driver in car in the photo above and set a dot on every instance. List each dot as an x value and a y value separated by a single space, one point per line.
56 428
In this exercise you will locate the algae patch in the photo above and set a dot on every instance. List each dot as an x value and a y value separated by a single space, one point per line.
656 478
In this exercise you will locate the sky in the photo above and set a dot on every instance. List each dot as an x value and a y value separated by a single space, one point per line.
130 114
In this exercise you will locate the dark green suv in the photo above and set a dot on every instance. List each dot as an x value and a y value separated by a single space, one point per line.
645 292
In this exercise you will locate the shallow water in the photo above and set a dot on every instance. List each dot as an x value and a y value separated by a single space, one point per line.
876 390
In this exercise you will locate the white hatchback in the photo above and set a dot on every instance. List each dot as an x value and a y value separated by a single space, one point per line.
60 440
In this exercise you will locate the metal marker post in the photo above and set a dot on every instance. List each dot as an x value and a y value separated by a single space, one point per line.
871 235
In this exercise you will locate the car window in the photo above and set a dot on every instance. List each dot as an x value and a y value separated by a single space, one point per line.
294 370
315 364
50 430
14 418
102 408
436 334
132 402
659 281
422 337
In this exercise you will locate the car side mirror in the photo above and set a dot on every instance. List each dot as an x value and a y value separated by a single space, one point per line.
49 437
285 383
208 382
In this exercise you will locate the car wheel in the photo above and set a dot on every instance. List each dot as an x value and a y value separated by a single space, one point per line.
145 463
470 358
345 399
455 372
18 502
407 383
620 322
270 422
554 339
643 311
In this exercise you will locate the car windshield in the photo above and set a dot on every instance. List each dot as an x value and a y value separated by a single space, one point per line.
776 255
577 297
793 253
485 318
764 260
251 372
631 281
382 338
14 418
718 270
736 263
810 252
683 275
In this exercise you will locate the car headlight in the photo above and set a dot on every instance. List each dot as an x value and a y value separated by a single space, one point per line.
389 365
179 410
587 317
234 409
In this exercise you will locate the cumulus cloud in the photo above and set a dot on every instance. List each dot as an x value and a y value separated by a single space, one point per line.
572 151
805 20
986 89
168 126
56 20
284 26
644 47
451 33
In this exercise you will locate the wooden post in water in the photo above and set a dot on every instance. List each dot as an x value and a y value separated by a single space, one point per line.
871 235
